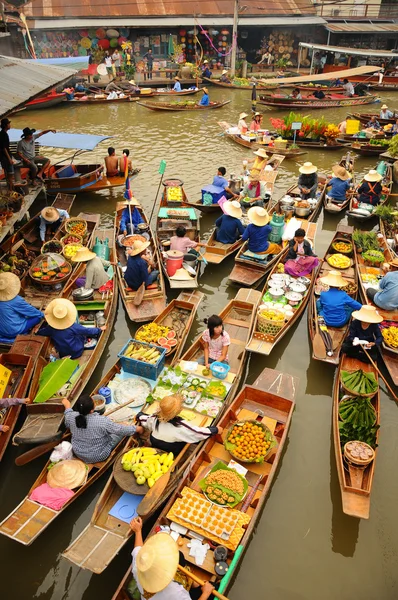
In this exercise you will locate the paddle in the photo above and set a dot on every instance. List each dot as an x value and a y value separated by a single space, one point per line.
317 343
199 581
152 497
379 372
201 256
139 295
38 451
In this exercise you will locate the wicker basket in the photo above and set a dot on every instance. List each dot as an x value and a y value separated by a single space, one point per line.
45 249
70 222
268 326
66 247
65 242
352 393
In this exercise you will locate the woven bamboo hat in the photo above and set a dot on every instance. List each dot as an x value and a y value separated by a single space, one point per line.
334 279
224 72
258 216
205 90
67 474
50 214
308 168
341 173
157 562
83 254
9 286
181 275
132 82
261 152
177 78
367 314
384 107
60 313
233 209
138 247
243 115
373 176
169 407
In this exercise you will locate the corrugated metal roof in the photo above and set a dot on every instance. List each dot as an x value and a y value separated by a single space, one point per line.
22 80
362 27
354 51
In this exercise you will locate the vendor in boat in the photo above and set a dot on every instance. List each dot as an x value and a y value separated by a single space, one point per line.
370 189
336 83
257 232
177 84
308 180
126 220
386 297
242 125
112 163
51 218
394 128
319 94
300 259
220 181
296 94
125 164
343 125
373 124
17 317
168 431
181 242
335 305
112 87
363 327
93 436
205 100
385 112
95 275
7 403
140 266
224 77
26 152
254 193
67 335
229 227
260 162
348 88
155 566
256 123
338 185
215 342
206 73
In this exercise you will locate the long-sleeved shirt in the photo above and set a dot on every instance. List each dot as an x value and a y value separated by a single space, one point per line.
292 254
94 443
251 191
388 297
172 438
338 188
137 272
96 274
135 218
229 229
63 214
369 192
13 316
257 237
370 334
177 87
310 182
7 402
333 303
386 114
173 591
70 341
205 101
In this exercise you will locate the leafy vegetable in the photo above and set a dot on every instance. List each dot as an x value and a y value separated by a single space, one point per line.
53 377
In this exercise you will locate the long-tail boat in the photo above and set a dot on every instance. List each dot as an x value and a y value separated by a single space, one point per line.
348 163
314 103
365 118
363 214
255 143
232 86
181 106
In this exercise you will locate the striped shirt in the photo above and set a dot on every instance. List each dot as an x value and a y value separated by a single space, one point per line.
167 433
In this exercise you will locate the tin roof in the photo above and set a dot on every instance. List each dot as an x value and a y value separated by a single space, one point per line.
22 80
362 27
353 51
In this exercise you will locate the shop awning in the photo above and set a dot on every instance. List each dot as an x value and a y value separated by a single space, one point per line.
69 141
362 27
323 76
70 62
356 51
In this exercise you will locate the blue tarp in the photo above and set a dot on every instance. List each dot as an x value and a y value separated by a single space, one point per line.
71 141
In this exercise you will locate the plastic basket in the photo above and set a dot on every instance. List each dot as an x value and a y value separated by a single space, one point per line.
139 367
219 370
268 326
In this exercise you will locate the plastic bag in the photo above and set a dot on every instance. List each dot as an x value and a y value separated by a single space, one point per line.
62 452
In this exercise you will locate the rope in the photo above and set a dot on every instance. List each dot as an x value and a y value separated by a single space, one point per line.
30 423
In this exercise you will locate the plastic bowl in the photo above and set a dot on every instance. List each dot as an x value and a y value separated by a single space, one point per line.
219 370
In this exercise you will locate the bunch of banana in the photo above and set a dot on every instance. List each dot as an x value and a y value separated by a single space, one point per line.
139 352
146 464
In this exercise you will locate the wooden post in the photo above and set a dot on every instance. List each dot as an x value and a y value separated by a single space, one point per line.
234 38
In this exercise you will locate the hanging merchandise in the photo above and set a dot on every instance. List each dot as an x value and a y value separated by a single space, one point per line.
84 33
113 43
125 32
121 40
100 33
94 42
182 39
85 42
112 33
104 44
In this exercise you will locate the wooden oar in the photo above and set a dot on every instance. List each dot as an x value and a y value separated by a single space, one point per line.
38 451
152 497
199 581
139 295
317 343
379 372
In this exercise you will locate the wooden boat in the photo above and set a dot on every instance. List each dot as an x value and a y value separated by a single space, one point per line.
347 162
384 87
44 419
365 118
103 99
355 483
46 101
367 149
389 233
216 252
314 103
264 402
337 334
161 92
322 145
324 88
106 182
175 107
387 183
255 145
105 535
72 179
232 86
154 300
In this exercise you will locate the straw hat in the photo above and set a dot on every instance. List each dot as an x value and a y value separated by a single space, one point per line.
261 152
258 114
50 214
132 82
60 313
334 279
373 176
384 107
131 201
254 177
181 275
9 286
243 115
169 407
233 209
138 247
177 78
205 90
308 168
224 72
205 62
157 562
367 314
83 254
258 216
67 474
341 173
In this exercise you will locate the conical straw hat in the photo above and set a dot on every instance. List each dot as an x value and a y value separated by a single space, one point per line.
67 474
83 254
169 407
233 209
9 286
258 216
367 314
157 562
60 313
334 279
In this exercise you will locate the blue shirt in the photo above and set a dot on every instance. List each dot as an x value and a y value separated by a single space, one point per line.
257 236
388 297
338 188
206 73
220 182
70 341
177 87
205 100
333 305
229 229
125 219
13 316
137 272
43 223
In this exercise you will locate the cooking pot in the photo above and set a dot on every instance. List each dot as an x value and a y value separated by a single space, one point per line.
302 212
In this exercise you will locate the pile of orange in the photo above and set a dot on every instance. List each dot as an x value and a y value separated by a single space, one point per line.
250 441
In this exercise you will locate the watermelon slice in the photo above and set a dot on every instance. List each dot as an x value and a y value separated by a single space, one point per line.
172 343
162 341
171 334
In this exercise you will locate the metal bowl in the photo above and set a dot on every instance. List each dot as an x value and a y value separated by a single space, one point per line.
302 212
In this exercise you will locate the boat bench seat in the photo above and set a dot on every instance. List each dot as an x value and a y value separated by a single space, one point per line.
68 171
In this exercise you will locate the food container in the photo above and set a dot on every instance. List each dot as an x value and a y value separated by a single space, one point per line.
294 298
220 553
302 212
295 286
219 370
276 293
358 453
53 246
70 250
99 403
71 238
305 281
277 278
129 240
50 269
139 367
76 226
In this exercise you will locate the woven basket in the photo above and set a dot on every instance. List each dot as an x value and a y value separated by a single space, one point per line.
69 224
352 393
268 326
64 240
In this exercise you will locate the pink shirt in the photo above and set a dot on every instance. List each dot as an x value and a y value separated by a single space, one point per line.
216 345
183 244
254 126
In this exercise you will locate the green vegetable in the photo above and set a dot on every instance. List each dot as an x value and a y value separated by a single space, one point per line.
359 382
349 433
393 146
366 240
358 412
373 256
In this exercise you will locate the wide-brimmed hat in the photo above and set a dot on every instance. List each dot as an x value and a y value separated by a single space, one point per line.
334 279
257 114
261 152
224 72
373 176
138 247
176 77
9 286
308 168
181 275
83 254
50 214
170 407
384 106
341 173
27 132
67 474
233 209
205 90
131 201
205 62
60 313
254 177
243 115
157 562
258 216
132 82
367 314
